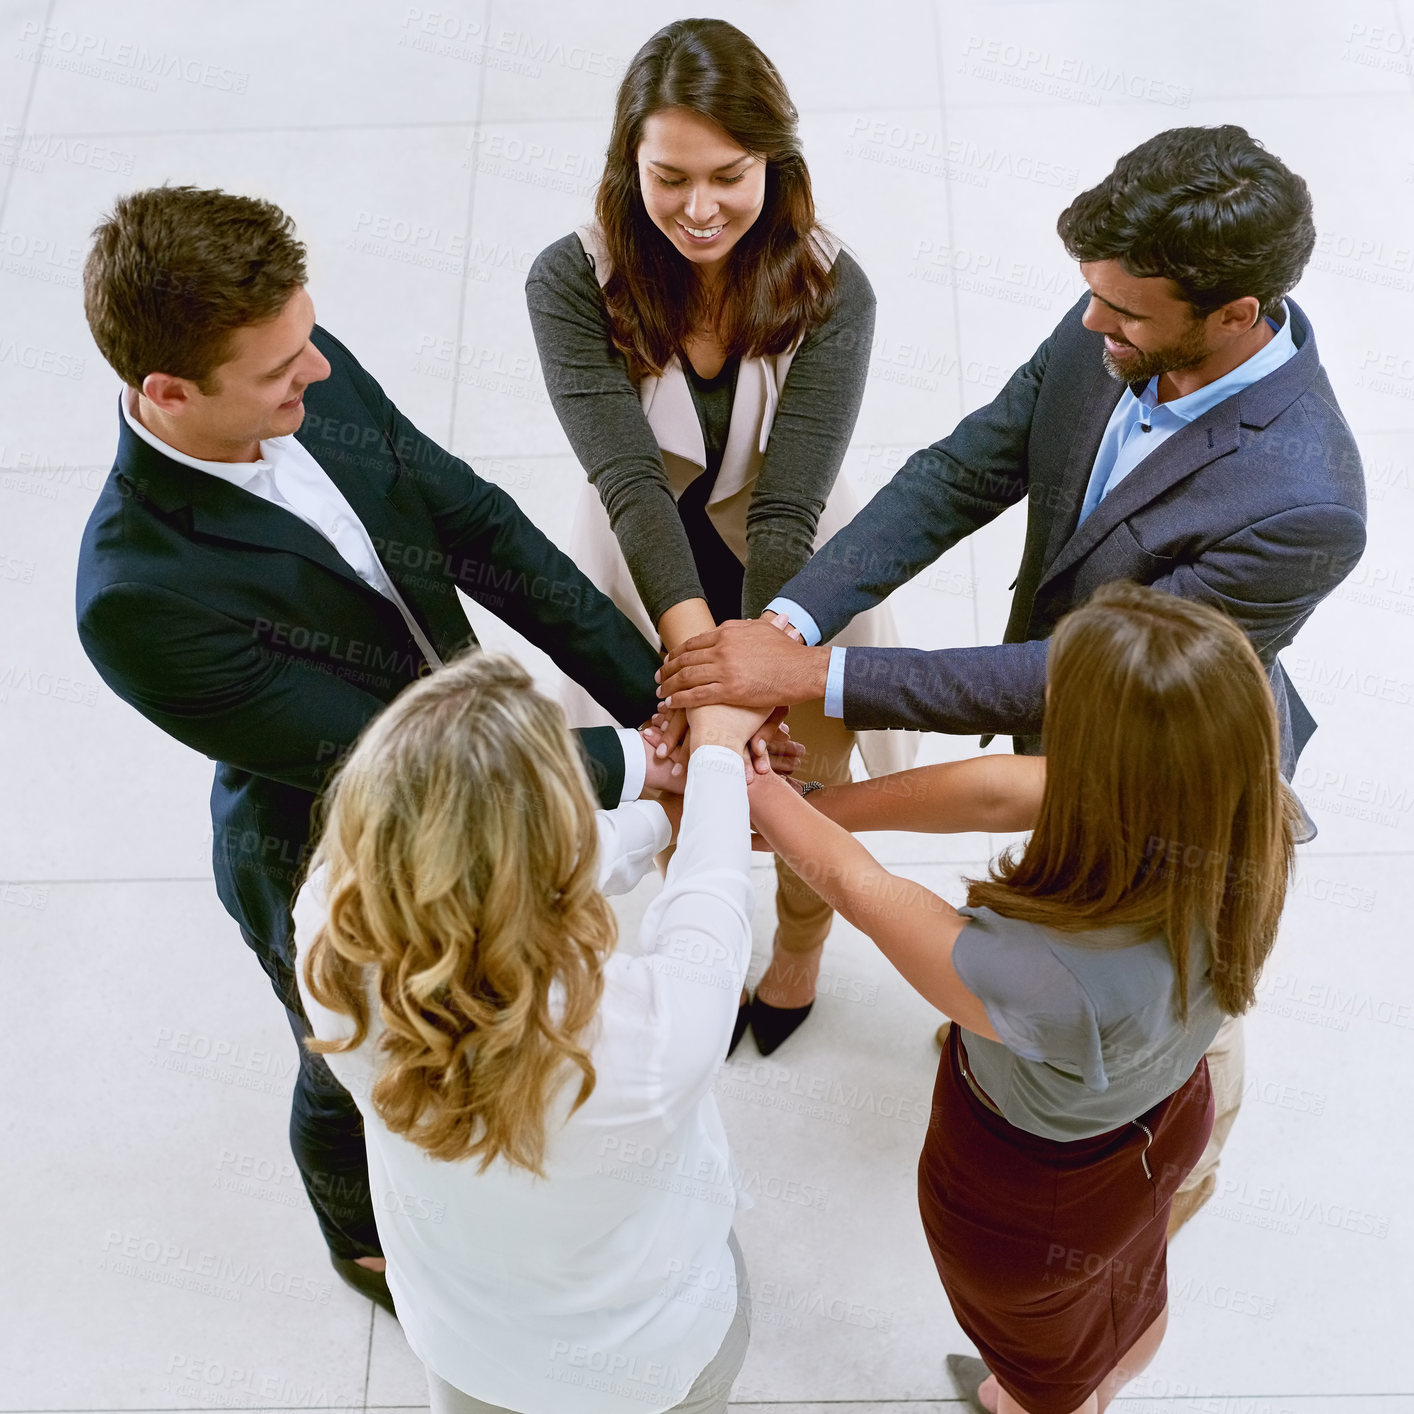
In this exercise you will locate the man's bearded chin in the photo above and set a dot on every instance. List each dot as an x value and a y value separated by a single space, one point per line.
1139 367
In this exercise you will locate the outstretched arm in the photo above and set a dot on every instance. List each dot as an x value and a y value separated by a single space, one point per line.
819 404
1268 578
202 677
500 558
941 494
912 926
1001 793
602 416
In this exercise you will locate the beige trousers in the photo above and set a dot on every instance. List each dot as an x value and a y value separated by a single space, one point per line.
1226 1063
803 918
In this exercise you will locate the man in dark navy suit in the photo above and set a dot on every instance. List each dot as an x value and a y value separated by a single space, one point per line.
1176 429
273 558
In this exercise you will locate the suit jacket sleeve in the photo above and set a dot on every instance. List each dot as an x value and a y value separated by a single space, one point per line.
203 678
499 558
1268 578
940 494
604 761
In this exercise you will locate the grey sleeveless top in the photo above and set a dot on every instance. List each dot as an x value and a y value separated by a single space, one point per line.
1089 1025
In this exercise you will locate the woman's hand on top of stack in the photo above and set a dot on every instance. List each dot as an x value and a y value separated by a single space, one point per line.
720 725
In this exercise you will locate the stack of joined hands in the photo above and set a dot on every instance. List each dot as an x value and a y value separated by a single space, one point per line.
753 669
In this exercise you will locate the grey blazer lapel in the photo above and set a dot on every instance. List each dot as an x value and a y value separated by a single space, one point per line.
1209 437
1101 399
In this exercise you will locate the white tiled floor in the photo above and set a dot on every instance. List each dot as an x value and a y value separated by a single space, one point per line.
427 156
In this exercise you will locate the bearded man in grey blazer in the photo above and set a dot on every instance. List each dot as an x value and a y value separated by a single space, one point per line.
1176 429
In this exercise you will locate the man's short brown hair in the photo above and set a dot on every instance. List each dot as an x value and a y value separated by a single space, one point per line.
175 271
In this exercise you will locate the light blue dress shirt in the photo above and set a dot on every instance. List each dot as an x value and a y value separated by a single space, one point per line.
1140 426
1137 427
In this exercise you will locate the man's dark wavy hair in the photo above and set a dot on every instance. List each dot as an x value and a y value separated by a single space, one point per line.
1209 208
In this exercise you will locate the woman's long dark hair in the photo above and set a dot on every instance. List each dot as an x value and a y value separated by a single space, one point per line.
775 287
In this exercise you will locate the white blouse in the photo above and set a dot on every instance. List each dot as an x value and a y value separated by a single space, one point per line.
607 1286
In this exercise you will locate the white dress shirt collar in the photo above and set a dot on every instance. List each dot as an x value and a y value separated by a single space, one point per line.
351 539
237 473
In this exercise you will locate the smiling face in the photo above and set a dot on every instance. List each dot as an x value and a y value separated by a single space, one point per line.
700 188
256 394
1149 327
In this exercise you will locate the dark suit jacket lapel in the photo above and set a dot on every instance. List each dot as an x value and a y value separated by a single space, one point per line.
1064 490
1101 400
407 546
219 510
1213 435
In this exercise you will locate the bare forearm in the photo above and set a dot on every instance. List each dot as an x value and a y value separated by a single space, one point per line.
1001 793
911 925
825 855
684 620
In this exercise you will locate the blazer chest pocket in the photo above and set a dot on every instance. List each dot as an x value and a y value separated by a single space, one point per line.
1120 556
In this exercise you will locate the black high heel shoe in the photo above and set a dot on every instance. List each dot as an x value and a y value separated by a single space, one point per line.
743 1015
772 1025
365 1281
968 1375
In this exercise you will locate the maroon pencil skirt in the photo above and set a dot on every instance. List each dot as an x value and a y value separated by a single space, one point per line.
1053 1255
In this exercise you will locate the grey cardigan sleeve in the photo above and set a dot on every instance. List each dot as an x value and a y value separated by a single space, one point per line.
598 407
814 422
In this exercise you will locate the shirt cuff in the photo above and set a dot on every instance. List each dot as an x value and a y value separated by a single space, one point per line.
809 629
635 763
834 683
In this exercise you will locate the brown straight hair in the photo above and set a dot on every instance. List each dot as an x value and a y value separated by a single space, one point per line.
776 286
175 271
1164 807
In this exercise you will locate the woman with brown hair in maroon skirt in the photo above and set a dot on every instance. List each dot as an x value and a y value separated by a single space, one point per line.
1085 979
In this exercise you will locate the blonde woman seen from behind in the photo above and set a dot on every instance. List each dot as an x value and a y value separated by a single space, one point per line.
515 1073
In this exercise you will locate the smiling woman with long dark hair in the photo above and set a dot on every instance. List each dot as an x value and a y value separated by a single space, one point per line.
705 345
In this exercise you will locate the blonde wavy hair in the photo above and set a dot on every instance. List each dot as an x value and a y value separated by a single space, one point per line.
461 852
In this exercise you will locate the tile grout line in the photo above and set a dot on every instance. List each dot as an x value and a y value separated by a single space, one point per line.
949 189
851 109
1180 1400
470 221
1399 29
140 879
1174 1399
568 454
901 863
953 291
368 1357
24 117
